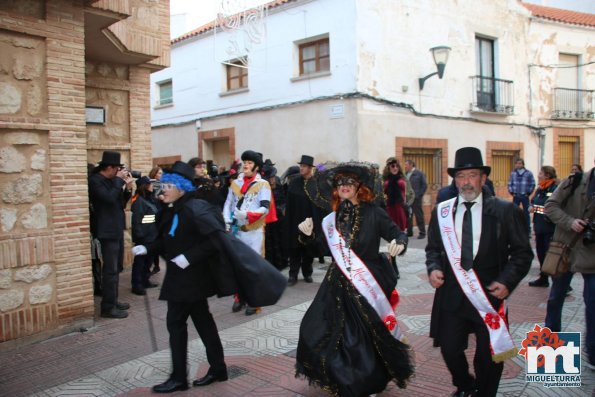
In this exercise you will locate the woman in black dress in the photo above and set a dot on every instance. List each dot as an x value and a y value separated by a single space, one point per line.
350 342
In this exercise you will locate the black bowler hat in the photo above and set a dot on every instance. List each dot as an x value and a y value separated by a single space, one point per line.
307 160
143 180
468 158
183 169
110 158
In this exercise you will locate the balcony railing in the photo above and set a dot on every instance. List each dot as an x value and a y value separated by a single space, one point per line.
492 95
573 104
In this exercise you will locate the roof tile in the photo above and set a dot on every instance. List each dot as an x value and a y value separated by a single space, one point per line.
560 15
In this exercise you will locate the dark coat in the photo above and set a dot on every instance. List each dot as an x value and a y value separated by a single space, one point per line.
298 208
504 255
418 182
143 232
542 224
219 263
108 199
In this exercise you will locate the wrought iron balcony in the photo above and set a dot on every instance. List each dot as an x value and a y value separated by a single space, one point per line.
492 95
573 104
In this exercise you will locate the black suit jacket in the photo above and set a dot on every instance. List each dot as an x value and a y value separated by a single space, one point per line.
108 199
504 255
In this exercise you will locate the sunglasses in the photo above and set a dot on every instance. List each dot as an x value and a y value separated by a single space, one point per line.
394 165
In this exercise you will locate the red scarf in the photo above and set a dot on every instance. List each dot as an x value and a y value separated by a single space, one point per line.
247 182
543 185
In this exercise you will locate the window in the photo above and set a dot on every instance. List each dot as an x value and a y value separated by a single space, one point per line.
484 65
165 93
237 74
568 152
429 161
502 165
314 56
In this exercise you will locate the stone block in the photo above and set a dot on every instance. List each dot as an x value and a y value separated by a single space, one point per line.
38 160
8 218
11 160
27 67
10 98
34 100
23 190
40 294
22 138
12 299
5 278
33 273
36 217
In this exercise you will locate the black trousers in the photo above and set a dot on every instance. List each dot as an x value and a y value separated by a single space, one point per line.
112 252
300 259
418 212
455 327
177 316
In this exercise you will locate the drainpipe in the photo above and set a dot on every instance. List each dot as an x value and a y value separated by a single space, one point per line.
541 134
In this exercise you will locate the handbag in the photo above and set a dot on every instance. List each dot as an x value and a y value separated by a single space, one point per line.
557 258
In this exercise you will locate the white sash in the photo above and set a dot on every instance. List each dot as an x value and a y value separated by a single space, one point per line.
360 276
501 342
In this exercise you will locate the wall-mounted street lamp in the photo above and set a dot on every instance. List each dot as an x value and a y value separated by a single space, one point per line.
440 55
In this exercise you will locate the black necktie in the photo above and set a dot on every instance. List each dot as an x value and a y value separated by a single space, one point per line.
467 239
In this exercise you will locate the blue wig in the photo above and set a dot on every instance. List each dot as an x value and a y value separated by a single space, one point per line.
179 181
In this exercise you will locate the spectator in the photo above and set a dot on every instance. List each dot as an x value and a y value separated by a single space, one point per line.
542 226
395 185
521 185
419 186
155 175
571 207
576 169
110 188
144 232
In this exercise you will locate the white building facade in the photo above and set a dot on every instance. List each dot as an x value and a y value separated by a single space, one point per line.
339 80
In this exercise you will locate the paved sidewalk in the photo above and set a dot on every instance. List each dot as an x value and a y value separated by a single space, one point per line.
126 357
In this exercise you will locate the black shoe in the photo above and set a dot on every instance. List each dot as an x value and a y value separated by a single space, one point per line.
540 282
308 279
321 260
139 291
462 393
114 313
122 306
252 310
155 270
170 386
421 236
237 306
291 281
209 378
151 285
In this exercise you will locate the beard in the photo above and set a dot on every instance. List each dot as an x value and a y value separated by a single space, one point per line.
468 192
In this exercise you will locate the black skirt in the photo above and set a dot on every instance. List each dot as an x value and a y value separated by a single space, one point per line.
344 347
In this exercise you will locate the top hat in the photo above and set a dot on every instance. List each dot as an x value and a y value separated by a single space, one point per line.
307 160
110 158
251 155
468 158
183 169
143 180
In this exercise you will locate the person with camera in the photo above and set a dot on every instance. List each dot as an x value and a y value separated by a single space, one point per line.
110 188
572 208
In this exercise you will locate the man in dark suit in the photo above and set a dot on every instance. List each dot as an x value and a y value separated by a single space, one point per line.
419 186
478 251
110 187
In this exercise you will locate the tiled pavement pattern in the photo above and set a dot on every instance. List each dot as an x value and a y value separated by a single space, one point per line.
126 357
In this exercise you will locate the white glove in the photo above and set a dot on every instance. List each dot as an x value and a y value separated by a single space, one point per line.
139 250
181 261
395 249
306 226
227 226
240 215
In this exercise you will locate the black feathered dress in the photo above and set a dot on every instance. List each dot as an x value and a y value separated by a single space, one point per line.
344 347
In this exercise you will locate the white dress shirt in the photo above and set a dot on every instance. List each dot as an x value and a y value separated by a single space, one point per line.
476 211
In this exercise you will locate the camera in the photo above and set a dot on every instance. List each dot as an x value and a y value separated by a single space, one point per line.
135 174
588 237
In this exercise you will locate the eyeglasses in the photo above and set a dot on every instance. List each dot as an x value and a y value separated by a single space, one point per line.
394 165
345 182
167 186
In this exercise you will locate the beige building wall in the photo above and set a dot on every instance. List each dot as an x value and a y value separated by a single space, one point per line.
46 82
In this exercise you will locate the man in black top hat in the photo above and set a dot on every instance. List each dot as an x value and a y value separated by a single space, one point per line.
299 207
110 188
478 251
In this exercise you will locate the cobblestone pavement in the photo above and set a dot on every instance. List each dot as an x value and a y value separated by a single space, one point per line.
126 357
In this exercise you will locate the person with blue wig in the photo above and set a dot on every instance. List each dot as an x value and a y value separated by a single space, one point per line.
202 260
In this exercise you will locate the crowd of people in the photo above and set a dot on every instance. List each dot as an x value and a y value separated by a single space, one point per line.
230 232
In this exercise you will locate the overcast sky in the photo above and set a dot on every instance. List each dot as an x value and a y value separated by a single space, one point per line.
187 15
